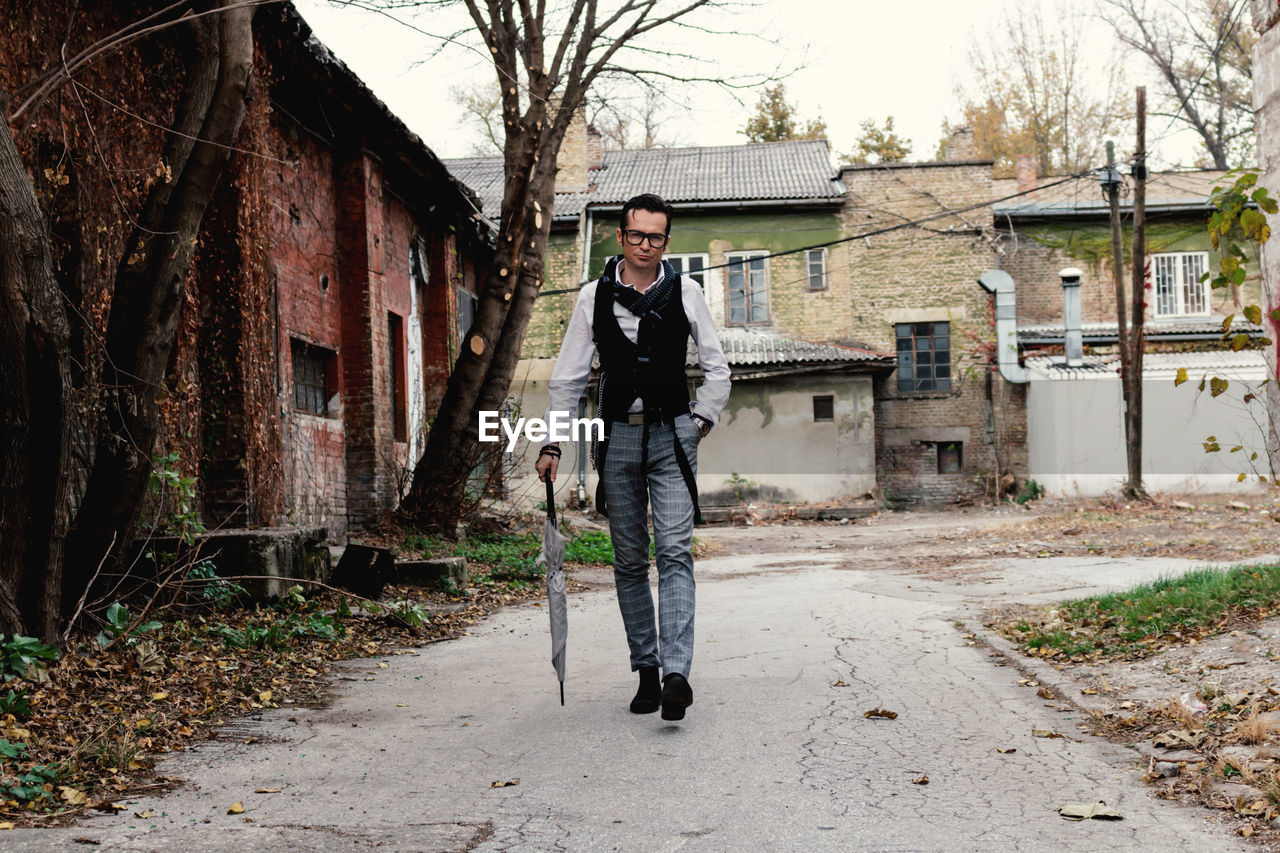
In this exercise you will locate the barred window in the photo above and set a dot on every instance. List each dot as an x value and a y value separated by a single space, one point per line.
1179 290
924 356
313 380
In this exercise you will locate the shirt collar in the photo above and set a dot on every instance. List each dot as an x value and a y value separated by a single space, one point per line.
622 264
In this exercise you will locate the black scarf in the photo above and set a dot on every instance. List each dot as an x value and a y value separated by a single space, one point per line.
656 296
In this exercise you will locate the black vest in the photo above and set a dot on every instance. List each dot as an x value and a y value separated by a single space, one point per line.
653 367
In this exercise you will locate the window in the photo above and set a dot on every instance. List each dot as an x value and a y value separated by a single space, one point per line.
396 353
313 377
748 288
924 356
690 265
1179 290
824 408
816 263
950 457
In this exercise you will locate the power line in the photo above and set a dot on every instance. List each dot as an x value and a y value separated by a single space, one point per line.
876 232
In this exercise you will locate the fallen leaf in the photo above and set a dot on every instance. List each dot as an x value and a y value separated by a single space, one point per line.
880 712
1046 693
1181 739
1049 733
156 697
143 814
72 796
266 790
1090 691
382 665
8 824
264 696
1005 751
401 705
1084 811
923 780
236 808
505 784
839 684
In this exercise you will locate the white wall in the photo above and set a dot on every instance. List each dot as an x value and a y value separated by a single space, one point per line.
1076 444
766 436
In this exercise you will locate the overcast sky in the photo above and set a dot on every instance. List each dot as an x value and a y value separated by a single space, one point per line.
856 60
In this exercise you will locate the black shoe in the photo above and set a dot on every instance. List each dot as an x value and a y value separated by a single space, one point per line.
650 693
676 696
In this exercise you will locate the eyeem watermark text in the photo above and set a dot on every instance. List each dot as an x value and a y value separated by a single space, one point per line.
560 427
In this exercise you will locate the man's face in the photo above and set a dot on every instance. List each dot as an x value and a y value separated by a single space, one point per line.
643 256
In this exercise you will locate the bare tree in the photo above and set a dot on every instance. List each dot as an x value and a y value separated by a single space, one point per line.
546 60
632 121
1202 52
482 110
1030 92
47 556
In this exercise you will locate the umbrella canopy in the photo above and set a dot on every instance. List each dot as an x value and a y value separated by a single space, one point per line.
552 557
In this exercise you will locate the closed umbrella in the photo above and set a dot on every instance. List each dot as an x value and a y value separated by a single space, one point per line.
552 557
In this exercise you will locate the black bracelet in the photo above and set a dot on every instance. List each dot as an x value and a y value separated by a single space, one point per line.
550 451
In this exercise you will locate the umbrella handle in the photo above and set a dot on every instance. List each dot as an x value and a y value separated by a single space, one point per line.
551 502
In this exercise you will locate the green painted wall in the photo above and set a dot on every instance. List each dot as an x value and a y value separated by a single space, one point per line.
774 231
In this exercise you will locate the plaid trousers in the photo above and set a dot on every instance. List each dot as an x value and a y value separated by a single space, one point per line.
631 492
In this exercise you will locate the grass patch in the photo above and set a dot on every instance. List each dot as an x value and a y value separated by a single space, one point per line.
512 558
1133 622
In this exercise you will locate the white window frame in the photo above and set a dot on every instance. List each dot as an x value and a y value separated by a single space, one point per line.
749 288
1175 283
699 275
809 256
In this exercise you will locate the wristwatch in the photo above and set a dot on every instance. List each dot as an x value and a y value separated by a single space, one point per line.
703 425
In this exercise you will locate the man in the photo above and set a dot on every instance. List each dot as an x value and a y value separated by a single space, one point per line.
640 316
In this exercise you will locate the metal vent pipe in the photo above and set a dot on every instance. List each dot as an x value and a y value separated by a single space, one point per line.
1073 335
1000 283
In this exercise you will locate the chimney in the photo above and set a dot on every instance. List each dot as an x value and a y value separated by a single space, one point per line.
1027 174
595 149
1073 335
571 164
960 145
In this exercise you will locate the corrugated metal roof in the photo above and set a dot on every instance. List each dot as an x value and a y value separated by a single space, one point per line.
1154 365
748 347
1168 190
774 171
1154 329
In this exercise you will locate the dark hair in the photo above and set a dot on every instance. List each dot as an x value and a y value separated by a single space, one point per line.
645 201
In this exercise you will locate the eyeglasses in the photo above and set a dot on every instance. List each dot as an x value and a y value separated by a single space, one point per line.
635 238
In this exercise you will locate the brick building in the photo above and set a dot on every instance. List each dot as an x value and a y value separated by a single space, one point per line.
369 250
334 265
799 425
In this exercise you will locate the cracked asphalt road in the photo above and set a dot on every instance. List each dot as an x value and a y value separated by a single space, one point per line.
794 643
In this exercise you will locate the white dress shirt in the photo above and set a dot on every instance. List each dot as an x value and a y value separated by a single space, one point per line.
573 365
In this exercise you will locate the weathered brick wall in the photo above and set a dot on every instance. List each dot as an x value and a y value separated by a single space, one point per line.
928 274
309 287
563 264
1035 253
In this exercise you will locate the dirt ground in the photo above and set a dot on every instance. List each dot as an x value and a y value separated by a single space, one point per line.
952 544
1207 689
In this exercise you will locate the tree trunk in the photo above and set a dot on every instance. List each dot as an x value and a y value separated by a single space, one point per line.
36 398
486 364
1133 380
146 302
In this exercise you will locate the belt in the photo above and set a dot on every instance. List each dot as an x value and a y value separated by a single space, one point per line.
638 418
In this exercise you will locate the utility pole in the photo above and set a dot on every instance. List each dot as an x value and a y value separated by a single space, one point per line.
1133 396
1111 188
